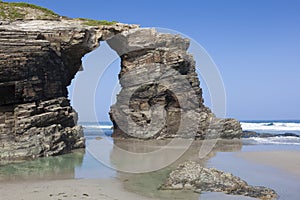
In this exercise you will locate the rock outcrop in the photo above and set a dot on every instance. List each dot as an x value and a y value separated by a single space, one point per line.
251 134
38 60
161 95
40 53
192 176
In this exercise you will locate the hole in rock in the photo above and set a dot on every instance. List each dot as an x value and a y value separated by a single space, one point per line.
94 89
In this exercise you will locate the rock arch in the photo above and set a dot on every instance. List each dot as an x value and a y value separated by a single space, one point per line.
38 60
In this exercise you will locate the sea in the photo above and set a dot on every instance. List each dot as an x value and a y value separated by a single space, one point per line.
275 127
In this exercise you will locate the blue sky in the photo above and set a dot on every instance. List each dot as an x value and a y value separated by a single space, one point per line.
255 44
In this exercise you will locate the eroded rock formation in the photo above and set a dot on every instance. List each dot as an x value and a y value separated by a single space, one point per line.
192 176
38 60
161 95
40 55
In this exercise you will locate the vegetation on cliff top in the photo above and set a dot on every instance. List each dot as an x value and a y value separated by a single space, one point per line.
14 11
20 10
92 22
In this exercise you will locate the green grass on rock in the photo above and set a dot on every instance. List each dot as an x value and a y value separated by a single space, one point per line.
92 22
20 10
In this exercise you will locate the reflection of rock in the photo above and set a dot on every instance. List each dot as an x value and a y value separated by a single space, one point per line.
161 96
58 167
198 146
133 154
147 183
192 176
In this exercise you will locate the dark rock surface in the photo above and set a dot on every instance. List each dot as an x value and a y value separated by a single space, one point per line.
38 60
161 95
192 176
249 134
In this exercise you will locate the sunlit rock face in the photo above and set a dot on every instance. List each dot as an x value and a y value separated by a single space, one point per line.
161 95
38 60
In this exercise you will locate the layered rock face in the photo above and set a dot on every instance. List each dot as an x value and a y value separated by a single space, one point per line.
161 95
38 60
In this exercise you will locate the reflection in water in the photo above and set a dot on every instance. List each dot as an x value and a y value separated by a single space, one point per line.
83 164
148 183
79 165
92 167
149 146
59 167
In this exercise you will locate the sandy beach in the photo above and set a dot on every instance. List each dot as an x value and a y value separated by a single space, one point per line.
95 189
149 100
287 161
63 177
272 166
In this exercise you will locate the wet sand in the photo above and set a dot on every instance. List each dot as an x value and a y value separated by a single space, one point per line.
96 189
272 166
33 180
68 189
288 161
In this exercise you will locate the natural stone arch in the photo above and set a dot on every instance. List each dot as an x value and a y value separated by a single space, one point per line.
39 58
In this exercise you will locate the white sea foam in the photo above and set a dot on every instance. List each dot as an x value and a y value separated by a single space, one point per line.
98 126
275 126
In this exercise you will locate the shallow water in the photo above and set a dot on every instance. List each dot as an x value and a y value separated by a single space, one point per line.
87 165
102 152
59 167
286 185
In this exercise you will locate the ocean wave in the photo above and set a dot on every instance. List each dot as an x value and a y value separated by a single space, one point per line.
287 140
271 126
97 126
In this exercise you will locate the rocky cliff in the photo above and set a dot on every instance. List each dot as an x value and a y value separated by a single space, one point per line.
38 60
161 95
40 53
